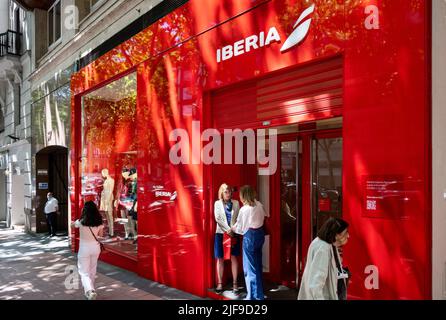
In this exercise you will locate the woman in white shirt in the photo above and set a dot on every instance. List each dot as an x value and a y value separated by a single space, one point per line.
250 224
323 276
226 212
90 228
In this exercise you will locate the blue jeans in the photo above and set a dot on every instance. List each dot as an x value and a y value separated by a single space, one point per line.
252 263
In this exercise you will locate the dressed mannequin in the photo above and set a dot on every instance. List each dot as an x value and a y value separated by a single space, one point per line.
125 202
107 200
133 194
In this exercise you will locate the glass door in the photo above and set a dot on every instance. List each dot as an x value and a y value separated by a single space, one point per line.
310 193
290 206
326 180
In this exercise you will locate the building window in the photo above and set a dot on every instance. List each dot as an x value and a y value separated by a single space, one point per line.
54 23
17 24
2 120
19 110
86 7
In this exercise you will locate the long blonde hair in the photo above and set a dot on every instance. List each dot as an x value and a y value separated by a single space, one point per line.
222 189
248 195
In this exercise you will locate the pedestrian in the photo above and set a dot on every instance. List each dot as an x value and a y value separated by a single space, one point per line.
250 223
226 211
90 228
324 278
51 209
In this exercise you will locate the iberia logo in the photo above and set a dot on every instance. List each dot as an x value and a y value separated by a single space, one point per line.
300 32
265 38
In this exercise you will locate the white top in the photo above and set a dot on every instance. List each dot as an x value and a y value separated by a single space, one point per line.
319 280
51 205
220 215
250 217
85 233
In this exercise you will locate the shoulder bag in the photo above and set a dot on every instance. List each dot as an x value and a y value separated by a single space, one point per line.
342 277
100 243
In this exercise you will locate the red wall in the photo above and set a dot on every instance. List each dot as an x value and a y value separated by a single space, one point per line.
387 136
386 128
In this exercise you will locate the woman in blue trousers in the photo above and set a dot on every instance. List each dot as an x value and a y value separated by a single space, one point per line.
250 224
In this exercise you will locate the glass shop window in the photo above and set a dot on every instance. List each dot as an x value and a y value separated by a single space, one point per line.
109 175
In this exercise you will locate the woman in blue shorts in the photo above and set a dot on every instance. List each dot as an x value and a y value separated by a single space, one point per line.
226 211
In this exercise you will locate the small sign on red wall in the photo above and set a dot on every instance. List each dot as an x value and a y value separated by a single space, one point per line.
389 196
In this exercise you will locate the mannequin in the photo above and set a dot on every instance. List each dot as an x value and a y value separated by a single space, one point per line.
133 194
107 200
125 202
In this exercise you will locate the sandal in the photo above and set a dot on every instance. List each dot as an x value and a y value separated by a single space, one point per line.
235 289
219 288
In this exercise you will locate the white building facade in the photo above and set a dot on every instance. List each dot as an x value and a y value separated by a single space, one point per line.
64 36
15 114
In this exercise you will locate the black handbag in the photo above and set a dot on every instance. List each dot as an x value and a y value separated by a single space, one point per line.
343 277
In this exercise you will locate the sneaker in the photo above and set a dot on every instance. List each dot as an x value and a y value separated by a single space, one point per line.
91 295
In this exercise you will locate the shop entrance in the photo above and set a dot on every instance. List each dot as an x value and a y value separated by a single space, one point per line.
307 190
304 191
304 104
52 175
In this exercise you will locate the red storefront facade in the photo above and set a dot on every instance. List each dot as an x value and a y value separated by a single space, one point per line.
355 79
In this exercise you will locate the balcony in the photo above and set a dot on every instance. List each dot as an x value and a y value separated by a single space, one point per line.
10 43
10 53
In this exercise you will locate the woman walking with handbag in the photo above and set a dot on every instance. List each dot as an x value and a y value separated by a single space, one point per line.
90 228
324 278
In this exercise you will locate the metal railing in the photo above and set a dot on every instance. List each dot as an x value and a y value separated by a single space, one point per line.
10 43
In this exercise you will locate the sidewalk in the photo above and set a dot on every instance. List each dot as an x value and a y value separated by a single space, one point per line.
38 268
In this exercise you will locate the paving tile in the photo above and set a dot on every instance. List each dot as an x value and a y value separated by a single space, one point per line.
36 268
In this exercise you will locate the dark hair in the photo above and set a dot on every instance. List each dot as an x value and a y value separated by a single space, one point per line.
90 215
331 228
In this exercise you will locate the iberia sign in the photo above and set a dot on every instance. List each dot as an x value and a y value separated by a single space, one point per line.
256 41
